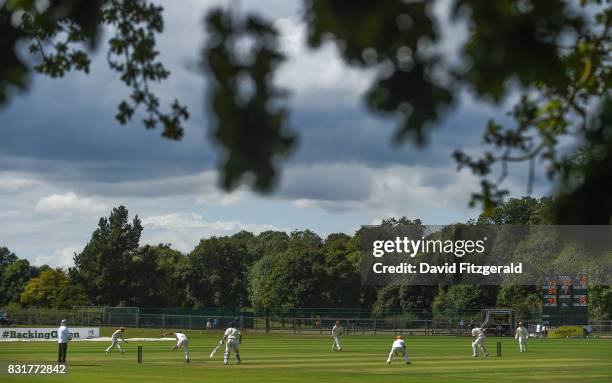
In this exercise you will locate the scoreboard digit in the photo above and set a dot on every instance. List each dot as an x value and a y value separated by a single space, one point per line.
549 293
565 300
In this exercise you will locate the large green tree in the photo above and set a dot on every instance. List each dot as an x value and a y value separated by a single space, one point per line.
343 286
6 258
44 289
267 242
457 300
14 280
295 278
404 298
519 211
600 302
157 277
103 266
524 299
217 273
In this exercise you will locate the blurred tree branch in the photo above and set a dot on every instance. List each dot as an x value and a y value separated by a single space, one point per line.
63 34
556 52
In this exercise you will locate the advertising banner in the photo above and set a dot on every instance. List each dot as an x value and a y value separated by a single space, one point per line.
47 333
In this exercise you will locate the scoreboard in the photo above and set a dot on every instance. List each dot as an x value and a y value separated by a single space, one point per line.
565 300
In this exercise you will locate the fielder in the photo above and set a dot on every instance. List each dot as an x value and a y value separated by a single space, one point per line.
398 346
115 339
234 338
182 342
479 333
521 335
336 332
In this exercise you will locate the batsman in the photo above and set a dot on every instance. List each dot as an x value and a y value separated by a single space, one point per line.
233 338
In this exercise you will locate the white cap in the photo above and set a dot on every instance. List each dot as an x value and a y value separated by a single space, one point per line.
64 321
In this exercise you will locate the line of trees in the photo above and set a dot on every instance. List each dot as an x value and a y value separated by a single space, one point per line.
273 270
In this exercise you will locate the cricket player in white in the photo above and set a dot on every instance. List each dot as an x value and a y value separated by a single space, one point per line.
479 333
336 332
521 335
399 346
115 339
182 342
234 338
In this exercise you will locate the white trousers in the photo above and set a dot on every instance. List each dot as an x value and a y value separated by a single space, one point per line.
113 345
336 345
184 344
522 344
479 344
401 350
231 345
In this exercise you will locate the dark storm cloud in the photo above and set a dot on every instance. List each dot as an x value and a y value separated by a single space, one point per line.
80 138
81 144
327 182
350 134
84 135
65 130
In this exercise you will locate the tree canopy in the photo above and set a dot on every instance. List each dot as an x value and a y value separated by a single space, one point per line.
101 266
279 272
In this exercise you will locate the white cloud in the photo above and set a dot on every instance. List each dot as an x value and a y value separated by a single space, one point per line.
218 197
184 230
61 258
304 203
68 203
10 184
413 191
317 77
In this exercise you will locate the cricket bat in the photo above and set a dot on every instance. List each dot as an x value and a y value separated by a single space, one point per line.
214 351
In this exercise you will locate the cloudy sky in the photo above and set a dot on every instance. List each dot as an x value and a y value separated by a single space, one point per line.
65 161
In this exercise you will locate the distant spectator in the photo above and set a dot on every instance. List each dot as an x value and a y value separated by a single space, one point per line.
209 325
215 323
4 319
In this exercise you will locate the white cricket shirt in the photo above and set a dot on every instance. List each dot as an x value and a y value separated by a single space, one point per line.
399 343
337 331
180 336
116 335
63 335
232 333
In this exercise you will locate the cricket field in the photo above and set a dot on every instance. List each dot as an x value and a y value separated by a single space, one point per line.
308 358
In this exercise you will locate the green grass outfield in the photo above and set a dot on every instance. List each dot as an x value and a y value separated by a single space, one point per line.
308 358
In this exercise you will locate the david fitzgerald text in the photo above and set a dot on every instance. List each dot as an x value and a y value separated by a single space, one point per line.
453 268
